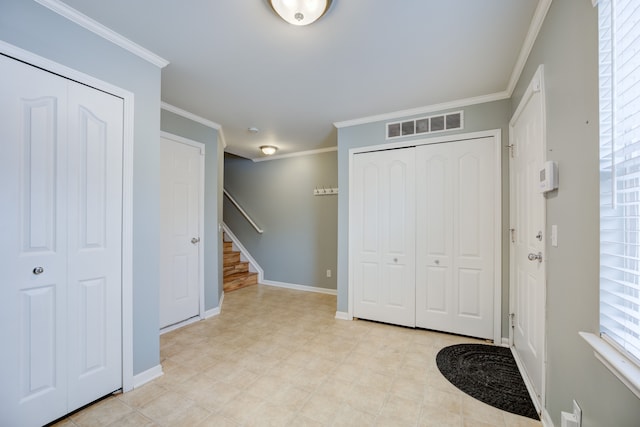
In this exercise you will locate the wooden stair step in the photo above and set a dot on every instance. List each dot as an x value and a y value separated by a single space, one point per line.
239 267
239 280
231 257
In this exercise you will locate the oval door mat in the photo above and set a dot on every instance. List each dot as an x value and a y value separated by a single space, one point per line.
488 373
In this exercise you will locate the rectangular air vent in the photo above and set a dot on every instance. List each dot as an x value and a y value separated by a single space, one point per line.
425 125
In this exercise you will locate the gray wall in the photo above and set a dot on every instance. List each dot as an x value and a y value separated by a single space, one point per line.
32 27
488 116
568 48
300 229
181 126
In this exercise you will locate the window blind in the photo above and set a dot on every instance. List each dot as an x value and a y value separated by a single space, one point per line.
619 77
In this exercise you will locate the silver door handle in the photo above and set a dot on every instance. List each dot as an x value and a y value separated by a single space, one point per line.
533 257
38 270
195 240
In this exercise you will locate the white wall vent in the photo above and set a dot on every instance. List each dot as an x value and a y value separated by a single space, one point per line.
425 125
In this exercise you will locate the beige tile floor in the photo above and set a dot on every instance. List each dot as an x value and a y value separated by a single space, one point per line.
278 357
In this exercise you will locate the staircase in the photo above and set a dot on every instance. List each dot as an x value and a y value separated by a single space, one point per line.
236 272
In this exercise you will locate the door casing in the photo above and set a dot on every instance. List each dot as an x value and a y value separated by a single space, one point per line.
497 135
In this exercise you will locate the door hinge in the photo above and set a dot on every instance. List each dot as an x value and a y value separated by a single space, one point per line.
510 148
513 235
512 320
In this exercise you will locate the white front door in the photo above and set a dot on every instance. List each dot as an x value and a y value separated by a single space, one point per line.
61 251
384 241
455 237
527 235
180 165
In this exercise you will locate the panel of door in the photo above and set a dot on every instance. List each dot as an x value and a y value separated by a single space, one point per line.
59 304
528 224
95 134
180 241
455 237
384 252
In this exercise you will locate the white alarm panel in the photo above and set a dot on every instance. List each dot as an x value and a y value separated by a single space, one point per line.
548 177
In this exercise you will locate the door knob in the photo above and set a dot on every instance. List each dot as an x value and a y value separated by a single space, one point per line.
195 240
38 270
533 257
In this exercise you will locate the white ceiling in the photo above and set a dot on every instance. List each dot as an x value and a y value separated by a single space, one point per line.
236 63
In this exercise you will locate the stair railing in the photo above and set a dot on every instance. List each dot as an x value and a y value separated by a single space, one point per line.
242 211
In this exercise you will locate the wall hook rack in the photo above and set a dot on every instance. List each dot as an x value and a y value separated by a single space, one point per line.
324 191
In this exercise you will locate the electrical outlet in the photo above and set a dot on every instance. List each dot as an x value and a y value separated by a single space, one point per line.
328 273
577 412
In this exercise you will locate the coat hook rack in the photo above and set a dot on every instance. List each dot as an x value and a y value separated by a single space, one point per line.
325 191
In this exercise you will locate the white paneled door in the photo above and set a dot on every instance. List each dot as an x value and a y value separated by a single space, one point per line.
180 165
455 237
527 235
60 260
384 253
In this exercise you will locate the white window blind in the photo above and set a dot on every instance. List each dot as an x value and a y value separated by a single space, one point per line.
619 33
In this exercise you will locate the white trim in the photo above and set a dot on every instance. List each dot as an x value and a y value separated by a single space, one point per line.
534 29
149 375
343 315
187 115
106 33
594 3
179 325
616 362
497 135
245 253
536 85
297 154
546 419
201 219
216 310
425 110
304 288
127 190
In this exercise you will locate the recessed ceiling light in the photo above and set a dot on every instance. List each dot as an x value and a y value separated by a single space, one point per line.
253 129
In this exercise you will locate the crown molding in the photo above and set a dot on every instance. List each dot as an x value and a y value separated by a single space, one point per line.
187 115
296 154
425 110
106 33
529 41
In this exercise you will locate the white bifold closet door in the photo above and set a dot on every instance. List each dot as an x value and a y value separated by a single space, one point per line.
61 250
455 237
423 234
384 257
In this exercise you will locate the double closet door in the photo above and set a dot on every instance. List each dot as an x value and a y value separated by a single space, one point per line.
61 249
423 236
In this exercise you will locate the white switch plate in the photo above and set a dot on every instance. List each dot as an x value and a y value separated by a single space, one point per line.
328 273
554 236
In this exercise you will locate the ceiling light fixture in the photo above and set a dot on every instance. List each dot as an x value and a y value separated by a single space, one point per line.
268 150
300 12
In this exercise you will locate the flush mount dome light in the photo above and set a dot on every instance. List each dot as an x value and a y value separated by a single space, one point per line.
300 12
268 150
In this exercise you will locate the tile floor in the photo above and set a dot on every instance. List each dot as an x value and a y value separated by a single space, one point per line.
277 357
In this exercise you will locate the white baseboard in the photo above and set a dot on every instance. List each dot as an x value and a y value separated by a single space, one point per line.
180 325
546 419
505 342
216 310
299 287
343 315
146 376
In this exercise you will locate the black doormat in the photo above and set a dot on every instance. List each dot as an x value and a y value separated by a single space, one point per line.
488 373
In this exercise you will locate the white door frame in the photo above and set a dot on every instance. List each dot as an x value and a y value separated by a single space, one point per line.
497 135
201 147
127 190
535 86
